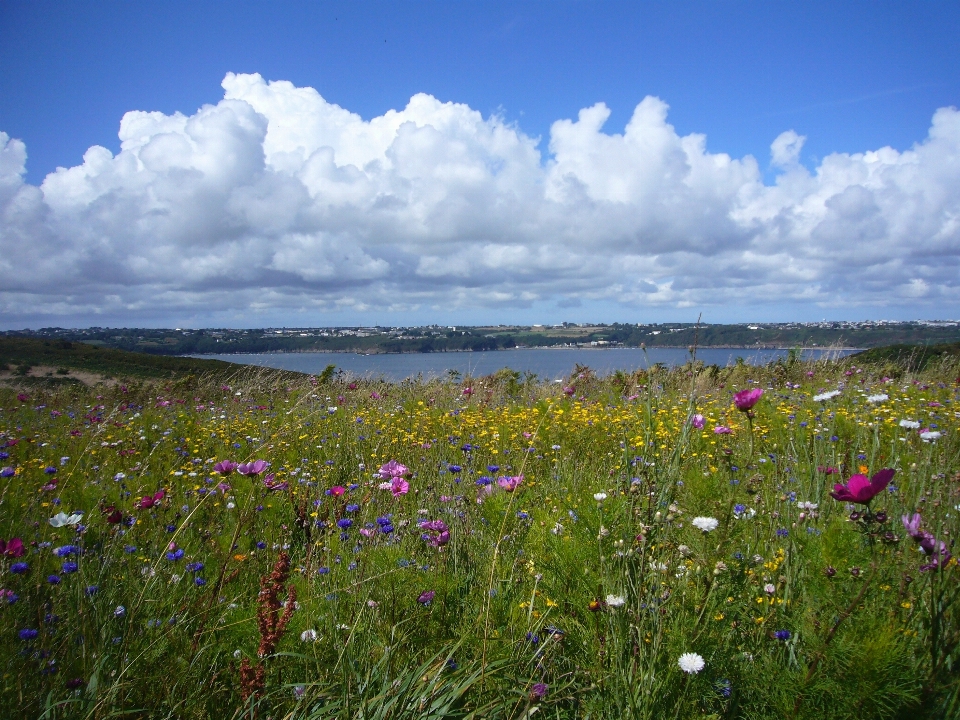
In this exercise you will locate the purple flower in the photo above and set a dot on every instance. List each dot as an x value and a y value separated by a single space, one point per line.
7 471
698 421
344 523
860 490
225 467
426 596
782 635
53 579
746 399
912 525
538 691
28 634
199 582
252 468
194 567
65 550
19 568
69 567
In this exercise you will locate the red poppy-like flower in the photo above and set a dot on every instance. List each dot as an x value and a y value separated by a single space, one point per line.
861 490
746 399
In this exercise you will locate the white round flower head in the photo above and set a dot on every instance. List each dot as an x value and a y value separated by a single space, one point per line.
823 397
910 424
691 663
600 496
705 523
877 398
930 435
308 636
615 601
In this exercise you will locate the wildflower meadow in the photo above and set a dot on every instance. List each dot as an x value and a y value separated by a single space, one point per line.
696 542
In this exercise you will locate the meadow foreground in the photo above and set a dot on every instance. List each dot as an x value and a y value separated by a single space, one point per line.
746 543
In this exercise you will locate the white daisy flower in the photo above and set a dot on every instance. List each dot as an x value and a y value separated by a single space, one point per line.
691 663
615 601
877 398
910 424
600 496
823 397
705 523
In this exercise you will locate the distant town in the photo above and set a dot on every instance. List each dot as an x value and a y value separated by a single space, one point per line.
450 338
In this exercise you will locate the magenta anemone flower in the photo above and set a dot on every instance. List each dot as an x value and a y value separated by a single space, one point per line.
13 548
722 430
393 469
252 468
746 399
225 467
698 421
510 483
861 490
337 490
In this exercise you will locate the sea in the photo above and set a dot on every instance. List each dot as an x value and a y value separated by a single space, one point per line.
545 363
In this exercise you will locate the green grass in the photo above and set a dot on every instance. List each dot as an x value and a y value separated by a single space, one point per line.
526 591
16 352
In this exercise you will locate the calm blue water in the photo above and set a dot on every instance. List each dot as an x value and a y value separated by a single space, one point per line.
545 363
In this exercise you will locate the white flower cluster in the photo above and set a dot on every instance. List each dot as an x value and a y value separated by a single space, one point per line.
823 397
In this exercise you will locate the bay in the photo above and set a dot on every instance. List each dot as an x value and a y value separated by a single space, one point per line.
546 363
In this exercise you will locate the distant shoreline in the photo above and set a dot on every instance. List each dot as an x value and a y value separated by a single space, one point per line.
753 348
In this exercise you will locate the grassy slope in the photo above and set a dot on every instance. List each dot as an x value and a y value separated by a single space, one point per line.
15 351
910 357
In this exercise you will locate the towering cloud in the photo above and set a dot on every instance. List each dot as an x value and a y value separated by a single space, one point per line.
276 199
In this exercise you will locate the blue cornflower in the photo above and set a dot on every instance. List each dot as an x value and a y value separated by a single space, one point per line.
130 549
69 567
28 634
194 567
199 582
50 470
782 532
323 571
454 468
91 589
53 579
261 545
175 555
352 507
19 568
522 515
782 635
493 468
344 523
739 508
65 550
483 480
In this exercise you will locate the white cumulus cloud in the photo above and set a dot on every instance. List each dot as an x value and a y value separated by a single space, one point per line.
276 200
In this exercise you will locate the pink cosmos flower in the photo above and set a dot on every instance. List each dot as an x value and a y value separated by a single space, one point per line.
697 421
374 395
912 525
368 532
826 470
722 430
393 469
398 486
337 490
252 468
510 483
468 391
225 467
861 490
746 399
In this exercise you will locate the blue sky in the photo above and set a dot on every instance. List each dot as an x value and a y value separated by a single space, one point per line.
849 77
